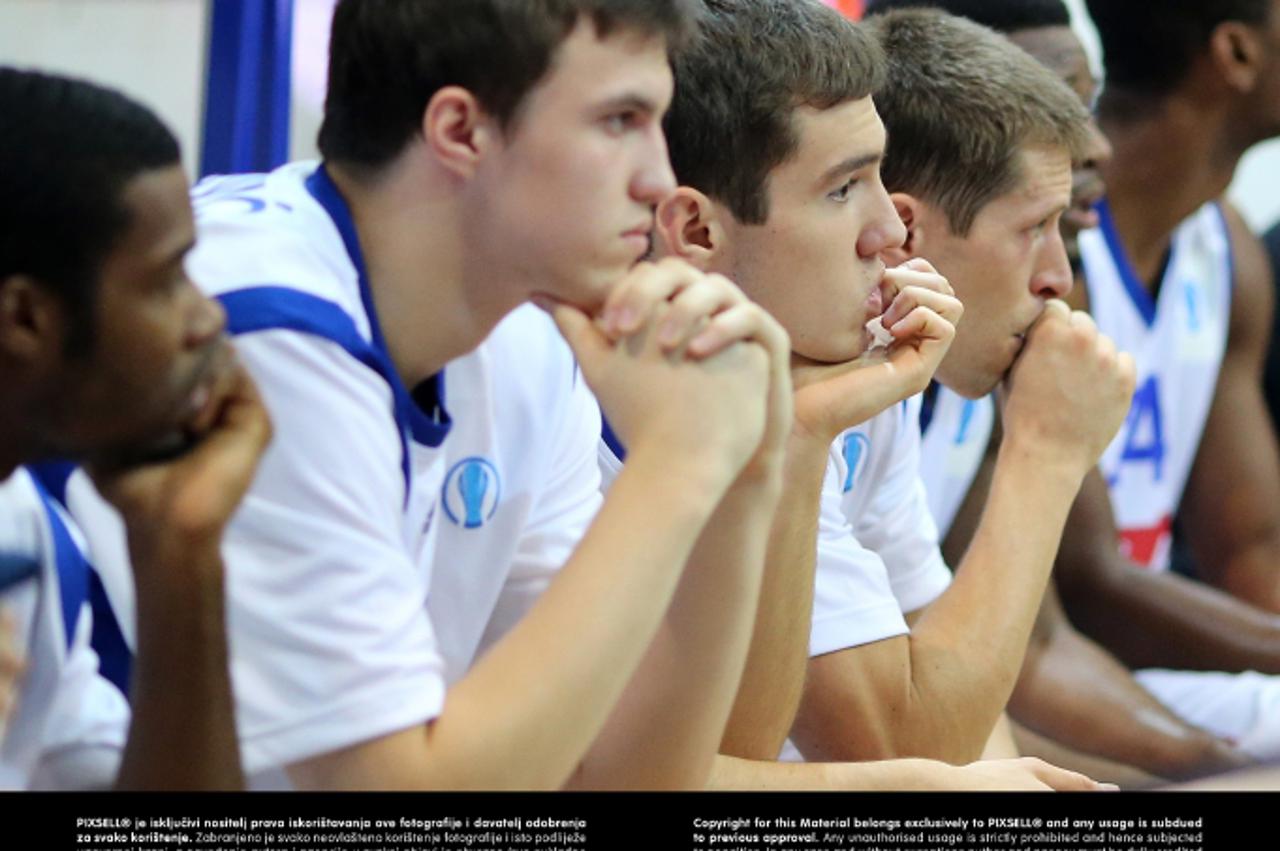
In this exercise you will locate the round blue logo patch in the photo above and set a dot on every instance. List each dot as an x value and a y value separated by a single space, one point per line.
471 492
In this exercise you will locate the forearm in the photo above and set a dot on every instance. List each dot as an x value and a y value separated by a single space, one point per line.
1251 575
731 774
1165 620
773 679
1000 744
183 732
569 660
967 648
1076 694
672 716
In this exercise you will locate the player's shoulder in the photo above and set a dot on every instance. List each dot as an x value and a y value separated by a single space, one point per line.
528 363
865 456
1252 282
887 429
1250 263
18 492
21 516
267 230
527 337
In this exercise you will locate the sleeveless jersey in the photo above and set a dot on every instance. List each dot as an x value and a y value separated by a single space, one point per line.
1177 341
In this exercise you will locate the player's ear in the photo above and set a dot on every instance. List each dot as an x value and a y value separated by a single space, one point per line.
909 209
687 225
1238 54
32 321
458 131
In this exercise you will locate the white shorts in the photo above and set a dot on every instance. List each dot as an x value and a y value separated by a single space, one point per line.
1242 708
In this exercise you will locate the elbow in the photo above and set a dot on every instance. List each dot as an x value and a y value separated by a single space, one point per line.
896 728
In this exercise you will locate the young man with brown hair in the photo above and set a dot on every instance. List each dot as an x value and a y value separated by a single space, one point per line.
777 145
1071 689
430 518
982 140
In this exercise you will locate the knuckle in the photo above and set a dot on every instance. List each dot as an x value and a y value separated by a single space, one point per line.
725 285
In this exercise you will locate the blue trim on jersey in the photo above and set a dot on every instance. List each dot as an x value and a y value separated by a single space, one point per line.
269 308
15 568
72 566
928 400
966 418
611 440
429 430
53 477
246 115
115 659
1137 292
321 187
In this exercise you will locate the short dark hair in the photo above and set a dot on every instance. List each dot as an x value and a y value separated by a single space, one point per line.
69 150
960 104
1149 49
388 58
1005 16
739 82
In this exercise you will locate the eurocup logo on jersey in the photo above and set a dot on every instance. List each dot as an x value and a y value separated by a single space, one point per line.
856 447
471 492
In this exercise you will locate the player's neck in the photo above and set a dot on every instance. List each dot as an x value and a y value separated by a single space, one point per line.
7 466
421 276
15 442
1170 158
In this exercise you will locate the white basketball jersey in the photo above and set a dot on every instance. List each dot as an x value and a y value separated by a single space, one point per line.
63 707
955 433
1177 342
878 554
373 560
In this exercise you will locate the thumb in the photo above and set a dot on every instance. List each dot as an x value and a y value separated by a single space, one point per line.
578 331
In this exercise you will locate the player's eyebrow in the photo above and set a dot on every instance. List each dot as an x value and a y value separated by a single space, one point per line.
629 101
850 165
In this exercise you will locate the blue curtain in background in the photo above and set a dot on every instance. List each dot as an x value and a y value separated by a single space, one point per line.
246 115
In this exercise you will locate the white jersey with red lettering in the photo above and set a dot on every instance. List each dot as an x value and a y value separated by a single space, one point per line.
1177 341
